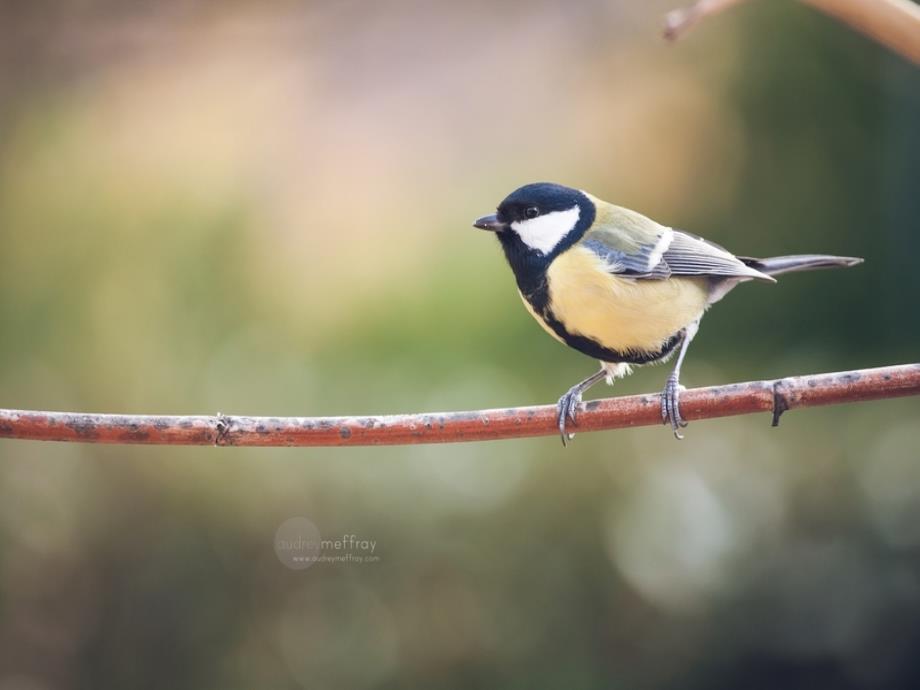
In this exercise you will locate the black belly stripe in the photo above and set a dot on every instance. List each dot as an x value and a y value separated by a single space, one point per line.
592 348
530 274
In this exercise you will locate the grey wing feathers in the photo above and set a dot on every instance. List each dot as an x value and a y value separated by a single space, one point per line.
633 264
672 253
689 255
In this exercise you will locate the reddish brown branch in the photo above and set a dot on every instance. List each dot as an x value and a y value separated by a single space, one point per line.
676 22
893 23
450 427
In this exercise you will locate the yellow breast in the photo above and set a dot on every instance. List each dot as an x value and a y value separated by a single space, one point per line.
620 313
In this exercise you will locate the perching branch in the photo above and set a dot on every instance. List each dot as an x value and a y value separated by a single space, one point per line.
679 21
450 427
893 23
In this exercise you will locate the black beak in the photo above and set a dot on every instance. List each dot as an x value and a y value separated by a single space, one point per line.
490 222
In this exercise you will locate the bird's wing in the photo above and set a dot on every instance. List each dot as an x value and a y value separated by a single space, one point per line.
689 255
634 246
634 258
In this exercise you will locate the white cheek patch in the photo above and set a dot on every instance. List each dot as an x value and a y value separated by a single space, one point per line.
545 232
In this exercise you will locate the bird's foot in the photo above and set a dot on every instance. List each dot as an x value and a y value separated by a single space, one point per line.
567 408
670 406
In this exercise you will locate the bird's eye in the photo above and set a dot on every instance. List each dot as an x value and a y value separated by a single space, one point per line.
531 212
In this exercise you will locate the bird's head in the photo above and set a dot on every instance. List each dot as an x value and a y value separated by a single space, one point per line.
543 216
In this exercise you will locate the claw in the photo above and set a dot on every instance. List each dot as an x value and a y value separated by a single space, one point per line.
568 409
670 406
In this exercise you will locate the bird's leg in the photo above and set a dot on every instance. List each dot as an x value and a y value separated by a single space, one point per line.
568 403
670 396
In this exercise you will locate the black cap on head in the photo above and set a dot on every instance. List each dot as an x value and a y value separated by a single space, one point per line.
538 198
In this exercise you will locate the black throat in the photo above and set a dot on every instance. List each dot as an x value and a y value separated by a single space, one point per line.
529 265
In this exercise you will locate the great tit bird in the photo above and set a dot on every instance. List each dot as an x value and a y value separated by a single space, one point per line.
618 286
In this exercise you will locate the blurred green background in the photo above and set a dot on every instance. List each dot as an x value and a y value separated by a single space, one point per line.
265 207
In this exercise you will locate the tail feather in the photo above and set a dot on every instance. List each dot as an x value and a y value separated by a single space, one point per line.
800 262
